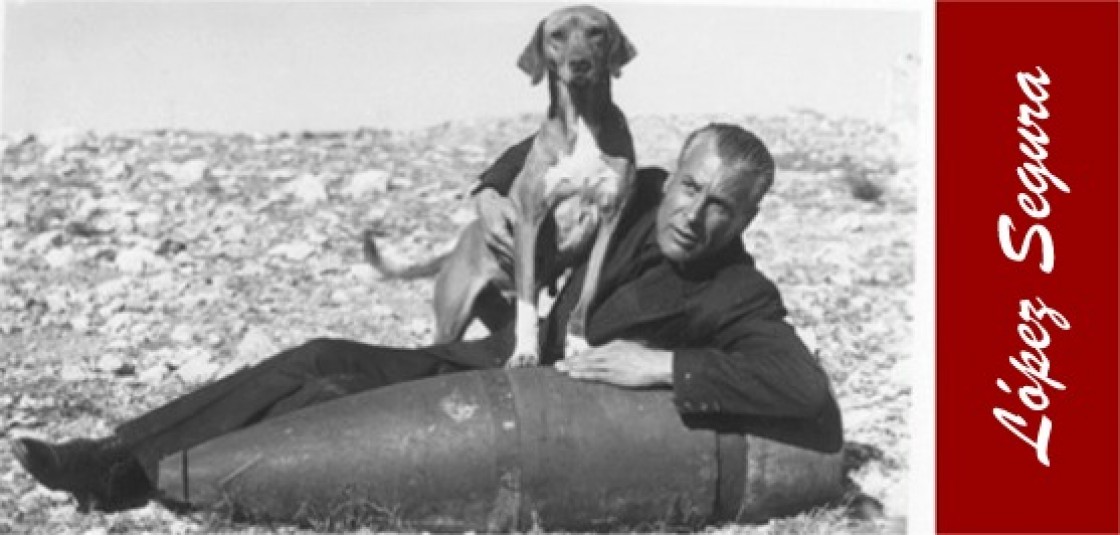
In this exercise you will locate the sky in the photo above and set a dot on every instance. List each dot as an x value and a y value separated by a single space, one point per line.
271 66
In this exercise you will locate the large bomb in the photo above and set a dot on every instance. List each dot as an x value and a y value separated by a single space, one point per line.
496 451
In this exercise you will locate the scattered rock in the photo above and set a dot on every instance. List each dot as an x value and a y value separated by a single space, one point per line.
186 173
110 362
72 372
170 248
381 311
153 375
59 258
136 260
198 367
369 181
147 222
307 189
45 241
79 324
296 251
182 334
400 182
363 272
463 216
254 347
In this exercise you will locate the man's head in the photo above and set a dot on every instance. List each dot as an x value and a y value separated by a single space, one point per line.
722 174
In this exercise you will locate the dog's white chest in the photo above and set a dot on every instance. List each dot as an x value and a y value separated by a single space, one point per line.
584 172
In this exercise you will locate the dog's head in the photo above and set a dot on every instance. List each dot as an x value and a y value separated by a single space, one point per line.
581 44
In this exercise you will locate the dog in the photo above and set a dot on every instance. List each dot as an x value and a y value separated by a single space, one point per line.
574 186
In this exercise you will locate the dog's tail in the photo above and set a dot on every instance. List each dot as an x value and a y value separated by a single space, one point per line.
426 268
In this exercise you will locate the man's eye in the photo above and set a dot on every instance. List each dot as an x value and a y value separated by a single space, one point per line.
720 209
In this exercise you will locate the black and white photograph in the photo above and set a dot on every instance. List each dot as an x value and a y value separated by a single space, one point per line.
372 267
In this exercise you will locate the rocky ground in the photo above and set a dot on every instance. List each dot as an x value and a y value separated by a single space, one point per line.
137 265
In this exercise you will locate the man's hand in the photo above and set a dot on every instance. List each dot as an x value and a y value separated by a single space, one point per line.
622 363
496 215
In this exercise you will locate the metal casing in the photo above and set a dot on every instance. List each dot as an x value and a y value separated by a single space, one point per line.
497 451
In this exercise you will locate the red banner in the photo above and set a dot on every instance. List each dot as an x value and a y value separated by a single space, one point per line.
1027 267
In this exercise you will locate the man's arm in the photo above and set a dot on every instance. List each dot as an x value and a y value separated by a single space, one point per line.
760 367
753 365
500 176
494 209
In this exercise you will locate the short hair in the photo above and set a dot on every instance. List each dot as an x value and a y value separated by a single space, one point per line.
739 148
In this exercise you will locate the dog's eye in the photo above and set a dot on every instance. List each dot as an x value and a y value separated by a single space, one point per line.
595 32
557 34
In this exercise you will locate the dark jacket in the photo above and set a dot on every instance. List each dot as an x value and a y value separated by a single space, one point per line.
736 362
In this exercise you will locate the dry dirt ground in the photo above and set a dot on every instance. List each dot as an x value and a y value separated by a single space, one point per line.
137 265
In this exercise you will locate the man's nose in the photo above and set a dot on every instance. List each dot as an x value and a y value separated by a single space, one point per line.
695 210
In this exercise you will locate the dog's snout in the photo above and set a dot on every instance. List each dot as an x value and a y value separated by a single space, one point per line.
580 66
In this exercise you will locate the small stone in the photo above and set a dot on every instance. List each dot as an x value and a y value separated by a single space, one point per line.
381 311
114 169
111 288
59 258
255 345
117 322
307 189
153 375
182 334
147 222
235 233
400 182
463 215
56 302
39 245
79 324
369 181
72 372
419 326
135 260
809 338
197 368
377 211
162 283
213 340
188 172
110 363
15 214
363 272
295 251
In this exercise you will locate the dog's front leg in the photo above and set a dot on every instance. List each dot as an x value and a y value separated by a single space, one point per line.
611 202
576 340
526 351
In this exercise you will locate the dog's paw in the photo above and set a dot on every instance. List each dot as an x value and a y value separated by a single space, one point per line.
575 345
523 359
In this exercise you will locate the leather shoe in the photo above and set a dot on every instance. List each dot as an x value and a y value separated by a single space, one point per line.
101 474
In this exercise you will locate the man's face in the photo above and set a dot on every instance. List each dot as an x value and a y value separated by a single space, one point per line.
705 205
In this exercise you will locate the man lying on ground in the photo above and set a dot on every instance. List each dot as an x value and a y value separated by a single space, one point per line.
681 305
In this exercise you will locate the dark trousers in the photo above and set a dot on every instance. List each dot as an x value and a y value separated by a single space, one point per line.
314 372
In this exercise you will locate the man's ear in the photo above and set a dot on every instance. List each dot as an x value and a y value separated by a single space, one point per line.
748 217
532 60
621 51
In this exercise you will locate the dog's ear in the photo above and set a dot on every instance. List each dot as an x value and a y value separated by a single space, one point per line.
621 51
532 58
